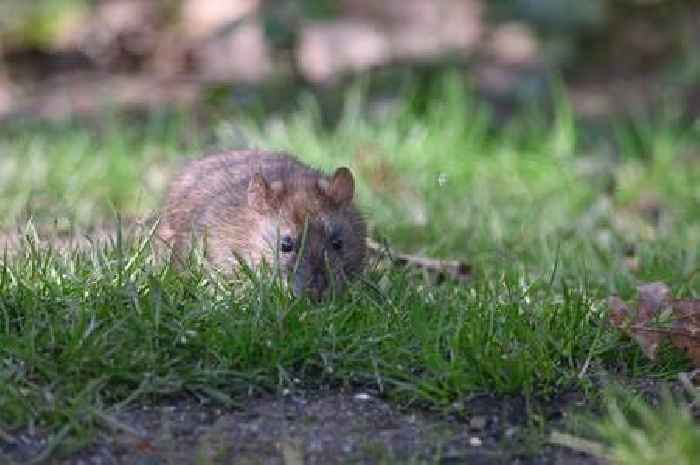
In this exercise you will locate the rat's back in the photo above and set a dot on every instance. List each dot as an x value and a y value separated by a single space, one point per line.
221 178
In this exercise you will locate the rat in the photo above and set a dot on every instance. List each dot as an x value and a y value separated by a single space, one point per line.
262 206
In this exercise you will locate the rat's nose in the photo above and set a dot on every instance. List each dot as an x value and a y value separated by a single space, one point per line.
314 286
317 285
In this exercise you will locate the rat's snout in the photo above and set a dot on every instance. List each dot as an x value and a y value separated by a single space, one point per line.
315 274
311 282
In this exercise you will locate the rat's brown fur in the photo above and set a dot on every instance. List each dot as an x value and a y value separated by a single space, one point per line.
242 202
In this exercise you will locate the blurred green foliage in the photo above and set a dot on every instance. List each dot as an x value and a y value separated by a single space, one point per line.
37 23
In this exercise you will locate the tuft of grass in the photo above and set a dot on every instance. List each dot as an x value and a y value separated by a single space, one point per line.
87 330
637 433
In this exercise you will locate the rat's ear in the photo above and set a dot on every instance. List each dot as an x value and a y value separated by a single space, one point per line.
341 187
264 195
259 192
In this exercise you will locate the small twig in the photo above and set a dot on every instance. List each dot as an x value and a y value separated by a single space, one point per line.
454 268
584 368
669 332
576 443
116 425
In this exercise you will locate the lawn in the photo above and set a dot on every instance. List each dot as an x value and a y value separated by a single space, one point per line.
553 215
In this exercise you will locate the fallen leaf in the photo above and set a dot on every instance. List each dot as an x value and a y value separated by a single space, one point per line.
652 298
619 311
657 317
686 328
633 323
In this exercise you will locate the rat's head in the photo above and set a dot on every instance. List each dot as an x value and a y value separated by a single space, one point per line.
309 227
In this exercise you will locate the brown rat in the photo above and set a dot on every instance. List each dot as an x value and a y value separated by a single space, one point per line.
265 206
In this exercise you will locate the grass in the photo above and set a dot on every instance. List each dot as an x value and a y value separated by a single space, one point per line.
529 205
634 431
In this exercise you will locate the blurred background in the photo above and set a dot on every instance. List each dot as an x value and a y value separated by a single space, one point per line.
543 122
64 57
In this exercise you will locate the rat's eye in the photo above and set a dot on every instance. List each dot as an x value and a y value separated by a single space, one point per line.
336 243
286 244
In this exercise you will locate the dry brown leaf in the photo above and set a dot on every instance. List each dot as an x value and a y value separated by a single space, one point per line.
686 328
619 312
657 317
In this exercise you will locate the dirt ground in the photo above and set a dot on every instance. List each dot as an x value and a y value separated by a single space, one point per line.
328 427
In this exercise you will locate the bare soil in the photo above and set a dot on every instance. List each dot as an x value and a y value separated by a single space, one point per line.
328 427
